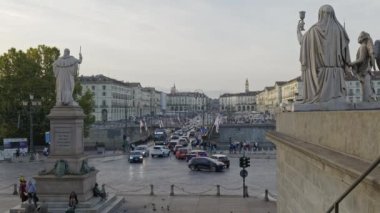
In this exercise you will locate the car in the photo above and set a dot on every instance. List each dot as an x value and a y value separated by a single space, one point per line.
136 157
171 145
196 153
222 158
176 147
183 141
144 149
181 153
205 163
160 151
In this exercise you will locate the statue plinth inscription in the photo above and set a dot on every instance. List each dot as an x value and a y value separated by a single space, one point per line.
63 137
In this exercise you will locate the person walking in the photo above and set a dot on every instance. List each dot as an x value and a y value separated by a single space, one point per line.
32 196
22 189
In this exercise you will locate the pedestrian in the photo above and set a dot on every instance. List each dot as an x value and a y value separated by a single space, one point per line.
32 193
17 153
73 200
22 189
97 192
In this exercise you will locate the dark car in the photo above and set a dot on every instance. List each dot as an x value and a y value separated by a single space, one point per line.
136 157
206 163
222 158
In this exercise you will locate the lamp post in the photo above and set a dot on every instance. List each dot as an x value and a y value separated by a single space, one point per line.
31 102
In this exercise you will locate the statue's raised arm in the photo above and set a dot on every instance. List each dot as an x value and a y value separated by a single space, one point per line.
65 68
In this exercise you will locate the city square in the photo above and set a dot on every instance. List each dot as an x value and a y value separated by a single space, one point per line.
189 106
133 180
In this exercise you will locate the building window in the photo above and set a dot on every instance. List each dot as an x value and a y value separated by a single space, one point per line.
104 93
104 102
93 87
104 87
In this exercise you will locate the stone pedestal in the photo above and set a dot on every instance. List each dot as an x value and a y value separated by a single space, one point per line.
55 185
320 154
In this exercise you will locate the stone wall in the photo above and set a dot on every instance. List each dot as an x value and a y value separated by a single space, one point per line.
314 169
353 132
249 133
113 137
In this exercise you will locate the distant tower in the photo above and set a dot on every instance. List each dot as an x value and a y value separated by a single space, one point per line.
246 85
173 89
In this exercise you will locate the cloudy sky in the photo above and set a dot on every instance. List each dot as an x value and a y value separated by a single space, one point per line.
209 45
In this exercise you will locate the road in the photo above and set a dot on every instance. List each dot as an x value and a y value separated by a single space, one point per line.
125 178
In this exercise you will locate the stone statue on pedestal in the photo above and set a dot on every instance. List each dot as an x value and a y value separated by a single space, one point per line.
324 58
365 60
65 69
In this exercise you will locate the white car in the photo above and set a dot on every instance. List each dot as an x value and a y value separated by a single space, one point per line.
160 151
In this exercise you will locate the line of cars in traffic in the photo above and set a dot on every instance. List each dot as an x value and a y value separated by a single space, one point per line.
180 144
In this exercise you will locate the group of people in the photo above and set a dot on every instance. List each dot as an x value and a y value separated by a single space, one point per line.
28 191
242 146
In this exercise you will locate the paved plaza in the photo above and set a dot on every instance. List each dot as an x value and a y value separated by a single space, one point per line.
194 191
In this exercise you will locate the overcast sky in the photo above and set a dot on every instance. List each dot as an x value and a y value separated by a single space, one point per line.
209 45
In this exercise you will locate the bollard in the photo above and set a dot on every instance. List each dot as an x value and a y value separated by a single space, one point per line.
217 190
15 189
172 190
151 189
266 195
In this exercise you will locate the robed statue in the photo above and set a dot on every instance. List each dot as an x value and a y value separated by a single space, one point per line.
65 69
324 58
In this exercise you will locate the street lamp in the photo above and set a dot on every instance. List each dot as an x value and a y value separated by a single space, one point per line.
31 102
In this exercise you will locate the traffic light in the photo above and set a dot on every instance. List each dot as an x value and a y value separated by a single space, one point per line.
241 162
247 162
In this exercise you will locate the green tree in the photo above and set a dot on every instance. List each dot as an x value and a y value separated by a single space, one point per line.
31 72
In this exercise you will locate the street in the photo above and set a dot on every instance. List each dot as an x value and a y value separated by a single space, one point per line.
124 178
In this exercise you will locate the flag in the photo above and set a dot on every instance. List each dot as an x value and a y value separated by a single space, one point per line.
141 126
217 123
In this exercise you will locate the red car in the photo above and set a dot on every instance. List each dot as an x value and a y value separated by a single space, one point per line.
181 153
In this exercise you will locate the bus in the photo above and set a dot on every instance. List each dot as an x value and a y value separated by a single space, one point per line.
160 137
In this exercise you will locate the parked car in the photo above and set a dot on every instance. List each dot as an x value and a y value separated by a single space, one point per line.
196 153
205 163
143 149
222 158
160 151
181 153
136 157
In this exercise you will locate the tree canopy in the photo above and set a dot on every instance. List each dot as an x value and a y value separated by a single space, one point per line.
31 73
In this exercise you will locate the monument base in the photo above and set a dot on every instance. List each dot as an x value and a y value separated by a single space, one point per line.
53 188
334 106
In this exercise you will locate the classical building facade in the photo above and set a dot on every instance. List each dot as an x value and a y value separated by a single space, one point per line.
271 98
116 100
186 103
238 102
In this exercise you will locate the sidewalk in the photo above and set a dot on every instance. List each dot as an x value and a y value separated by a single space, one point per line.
196 204
178 204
